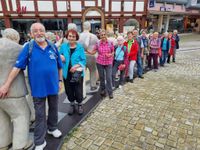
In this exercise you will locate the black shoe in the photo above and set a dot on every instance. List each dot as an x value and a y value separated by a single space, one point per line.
141 77
111 96
131 80
174 61
103 93
80 109
71 109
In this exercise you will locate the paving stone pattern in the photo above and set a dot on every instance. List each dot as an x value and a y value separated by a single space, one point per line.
161 111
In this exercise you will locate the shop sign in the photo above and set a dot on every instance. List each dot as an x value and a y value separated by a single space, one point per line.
163 8
151 3
193 2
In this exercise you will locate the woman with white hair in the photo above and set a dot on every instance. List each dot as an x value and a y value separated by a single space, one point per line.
120 58
13 108
165 49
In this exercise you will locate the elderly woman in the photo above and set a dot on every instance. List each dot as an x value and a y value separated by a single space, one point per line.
74 59
120 59
154 47
105 51
13 108
165 49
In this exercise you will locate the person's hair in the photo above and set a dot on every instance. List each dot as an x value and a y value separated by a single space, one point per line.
166 34
175 31
110 34
32 26
156 33
129 32
72 26
74 32
11 34
170 33
102 31
120 38
86 25
50 36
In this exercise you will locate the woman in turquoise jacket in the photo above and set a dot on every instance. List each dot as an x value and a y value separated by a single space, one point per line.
74 60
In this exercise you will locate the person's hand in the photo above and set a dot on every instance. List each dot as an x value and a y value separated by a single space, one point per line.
4 91
62 58
73 69
60 86
108 55
142 55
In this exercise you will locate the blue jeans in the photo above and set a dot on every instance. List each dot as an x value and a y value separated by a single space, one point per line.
139 65
164 57
41 124
102 69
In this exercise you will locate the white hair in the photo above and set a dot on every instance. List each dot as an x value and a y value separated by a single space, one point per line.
72 26
11 34
120 38
176 31
50 36
37 23
86 26
166 34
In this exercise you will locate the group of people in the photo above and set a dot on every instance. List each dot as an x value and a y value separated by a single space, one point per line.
50 65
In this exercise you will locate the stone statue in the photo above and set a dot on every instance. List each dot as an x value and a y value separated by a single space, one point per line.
14 110
88 40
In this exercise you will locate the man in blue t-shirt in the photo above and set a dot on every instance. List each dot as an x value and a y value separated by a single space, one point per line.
45 77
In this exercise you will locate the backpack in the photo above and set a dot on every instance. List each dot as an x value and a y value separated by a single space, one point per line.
30 49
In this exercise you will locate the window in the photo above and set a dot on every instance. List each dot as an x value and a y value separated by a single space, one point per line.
55 24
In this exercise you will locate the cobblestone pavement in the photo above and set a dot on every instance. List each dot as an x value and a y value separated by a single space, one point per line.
161 111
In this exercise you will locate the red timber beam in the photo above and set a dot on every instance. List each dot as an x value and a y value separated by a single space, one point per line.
6 14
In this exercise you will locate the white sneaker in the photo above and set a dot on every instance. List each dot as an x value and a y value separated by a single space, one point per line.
120 86
41 147
56 133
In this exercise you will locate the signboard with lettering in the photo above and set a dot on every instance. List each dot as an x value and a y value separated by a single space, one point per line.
193 2
151 3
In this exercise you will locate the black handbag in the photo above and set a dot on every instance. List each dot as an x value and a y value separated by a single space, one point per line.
76 76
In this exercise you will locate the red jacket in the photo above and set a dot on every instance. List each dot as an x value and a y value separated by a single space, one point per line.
172 43
132 55
133 51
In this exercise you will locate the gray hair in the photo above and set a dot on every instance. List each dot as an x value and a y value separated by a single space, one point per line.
86 25
37 23
11 34
72 26
110 34
50 36
166 34
102 31
176 31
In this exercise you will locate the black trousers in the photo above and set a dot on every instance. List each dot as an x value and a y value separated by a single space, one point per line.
41 124
74 91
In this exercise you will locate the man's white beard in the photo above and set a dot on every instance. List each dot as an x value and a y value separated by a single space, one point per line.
40 39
